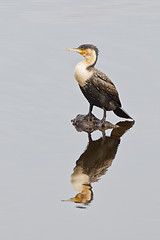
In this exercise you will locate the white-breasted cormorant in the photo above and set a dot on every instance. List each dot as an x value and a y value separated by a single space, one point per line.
95 85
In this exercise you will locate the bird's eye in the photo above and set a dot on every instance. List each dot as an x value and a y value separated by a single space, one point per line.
82 49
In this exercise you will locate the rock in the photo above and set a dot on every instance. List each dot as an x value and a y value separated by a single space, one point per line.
83 123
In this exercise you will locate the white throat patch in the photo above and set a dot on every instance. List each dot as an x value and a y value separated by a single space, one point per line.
81 73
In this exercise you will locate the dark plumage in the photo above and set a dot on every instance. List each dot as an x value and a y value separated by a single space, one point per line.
95 85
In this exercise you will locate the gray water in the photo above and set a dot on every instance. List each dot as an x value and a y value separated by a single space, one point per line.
38 99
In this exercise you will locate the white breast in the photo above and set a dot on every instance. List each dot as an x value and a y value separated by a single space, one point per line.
81 74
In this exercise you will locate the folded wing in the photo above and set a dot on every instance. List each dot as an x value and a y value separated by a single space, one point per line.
105 86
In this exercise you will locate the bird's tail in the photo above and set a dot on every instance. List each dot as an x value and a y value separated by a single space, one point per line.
121 113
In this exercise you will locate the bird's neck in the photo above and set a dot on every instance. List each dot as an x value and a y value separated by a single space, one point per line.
90 59
82 73
83 70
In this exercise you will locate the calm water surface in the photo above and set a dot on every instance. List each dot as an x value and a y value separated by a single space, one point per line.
43 158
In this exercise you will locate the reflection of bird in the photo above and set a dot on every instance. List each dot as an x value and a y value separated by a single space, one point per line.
95 161
95 85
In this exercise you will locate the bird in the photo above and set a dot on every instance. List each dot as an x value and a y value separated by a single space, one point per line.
98 89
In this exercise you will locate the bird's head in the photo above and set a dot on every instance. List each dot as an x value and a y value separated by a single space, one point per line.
88 51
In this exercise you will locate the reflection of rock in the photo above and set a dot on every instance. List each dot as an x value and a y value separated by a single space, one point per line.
95 161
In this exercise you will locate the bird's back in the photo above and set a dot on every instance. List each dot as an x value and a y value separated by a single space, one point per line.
100 91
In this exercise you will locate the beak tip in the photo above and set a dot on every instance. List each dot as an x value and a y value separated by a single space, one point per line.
74 50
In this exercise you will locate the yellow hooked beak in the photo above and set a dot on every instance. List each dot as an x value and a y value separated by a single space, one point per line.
78 50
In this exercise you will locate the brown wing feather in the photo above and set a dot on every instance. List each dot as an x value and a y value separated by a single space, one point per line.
102 76
105 86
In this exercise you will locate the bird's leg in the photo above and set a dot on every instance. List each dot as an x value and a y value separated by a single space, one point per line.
89 115
104 116
90 112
